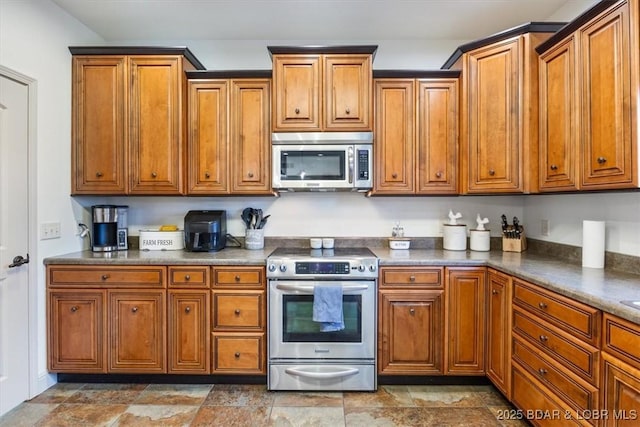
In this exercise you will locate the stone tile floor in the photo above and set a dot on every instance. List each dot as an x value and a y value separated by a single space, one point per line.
71 404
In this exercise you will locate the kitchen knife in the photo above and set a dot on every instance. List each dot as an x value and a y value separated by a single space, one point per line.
516 227
505 224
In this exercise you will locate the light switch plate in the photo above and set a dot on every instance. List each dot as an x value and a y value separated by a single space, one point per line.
49 230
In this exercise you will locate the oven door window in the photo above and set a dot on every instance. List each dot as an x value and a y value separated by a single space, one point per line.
298 325
313 165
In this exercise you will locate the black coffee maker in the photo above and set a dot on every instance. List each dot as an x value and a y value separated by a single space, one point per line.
105 228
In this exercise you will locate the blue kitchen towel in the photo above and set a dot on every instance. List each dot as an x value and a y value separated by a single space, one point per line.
327 307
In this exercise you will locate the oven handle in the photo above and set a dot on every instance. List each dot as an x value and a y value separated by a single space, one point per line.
322 375
308 289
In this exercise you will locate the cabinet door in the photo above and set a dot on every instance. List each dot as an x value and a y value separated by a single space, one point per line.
208 144
437 136
621 392
100 126
76 331
250 137
347 92
395 141
499 330
493 151
155 116
137 337
558 118
465 321
296 104
410 332
188 332
606 117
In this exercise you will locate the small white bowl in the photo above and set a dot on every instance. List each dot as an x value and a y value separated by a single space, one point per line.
327 243
315 243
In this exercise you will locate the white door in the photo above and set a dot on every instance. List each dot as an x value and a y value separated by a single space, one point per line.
14 242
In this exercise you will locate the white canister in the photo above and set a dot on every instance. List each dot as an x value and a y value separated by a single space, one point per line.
254 238
480 240
455 237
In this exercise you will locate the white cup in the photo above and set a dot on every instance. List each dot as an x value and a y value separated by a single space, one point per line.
327 243
315 243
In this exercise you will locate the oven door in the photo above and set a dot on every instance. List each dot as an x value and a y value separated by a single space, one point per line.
312 166
294 335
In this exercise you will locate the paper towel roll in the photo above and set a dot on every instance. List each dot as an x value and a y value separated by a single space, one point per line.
593 244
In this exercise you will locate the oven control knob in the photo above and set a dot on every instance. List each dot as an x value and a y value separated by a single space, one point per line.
272 267
361 268
372 267
283 268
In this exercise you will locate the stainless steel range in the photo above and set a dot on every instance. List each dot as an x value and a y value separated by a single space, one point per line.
305 354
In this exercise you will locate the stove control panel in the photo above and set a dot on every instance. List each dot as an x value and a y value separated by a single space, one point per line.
352 269
322 267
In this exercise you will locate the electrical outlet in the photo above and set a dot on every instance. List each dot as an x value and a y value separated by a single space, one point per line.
544 227
49 230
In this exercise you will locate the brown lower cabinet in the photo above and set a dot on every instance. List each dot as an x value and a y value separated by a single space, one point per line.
498 335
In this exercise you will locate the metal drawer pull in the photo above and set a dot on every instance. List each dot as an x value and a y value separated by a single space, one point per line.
412 311
237 312
74 308
322 375
308 289
492 172
602 160
297 111
542 371
105 277
542 305
237 278
154 175
412 278
347 111
237 355
187 277
544 338
99 174
554 167
494 292
207 175
187 309
134 310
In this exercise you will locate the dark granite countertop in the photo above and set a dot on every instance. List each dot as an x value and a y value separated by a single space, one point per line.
600 288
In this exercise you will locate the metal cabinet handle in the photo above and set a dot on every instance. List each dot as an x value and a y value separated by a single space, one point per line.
237 278
187 277
105 276
187 309
250 174
237 355
495 292
237 312
74 308
99 174
134 310
492 172
394 175
412 311
438 174
347 111
553 167
154 175
542 371
412 278
544 338
297 111
542 305
602 160
207 175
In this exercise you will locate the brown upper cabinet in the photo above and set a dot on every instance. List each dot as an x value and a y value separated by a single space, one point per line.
229 141
416 128
589 85
128 119
322 88
499 110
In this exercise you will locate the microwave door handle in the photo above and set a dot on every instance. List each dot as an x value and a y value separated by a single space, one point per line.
308 289
322 375
351 164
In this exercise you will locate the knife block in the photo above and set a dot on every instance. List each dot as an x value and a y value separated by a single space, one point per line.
514 245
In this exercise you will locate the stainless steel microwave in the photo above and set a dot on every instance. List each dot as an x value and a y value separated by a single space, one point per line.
322 161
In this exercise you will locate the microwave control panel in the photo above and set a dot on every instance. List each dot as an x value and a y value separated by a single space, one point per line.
363 165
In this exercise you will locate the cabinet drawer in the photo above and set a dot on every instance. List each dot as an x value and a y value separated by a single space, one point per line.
579 394
189 277
245 276
579 357
428 277
621 338
538 405
93 276
238 310
571 316
239 354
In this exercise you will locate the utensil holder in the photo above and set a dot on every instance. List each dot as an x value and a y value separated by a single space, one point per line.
254 238
510 244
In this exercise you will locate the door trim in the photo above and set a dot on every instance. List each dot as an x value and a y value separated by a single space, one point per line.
36 384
